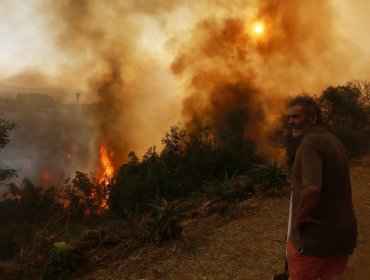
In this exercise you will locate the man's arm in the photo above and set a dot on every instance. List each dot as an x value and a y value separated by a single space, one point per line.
309 198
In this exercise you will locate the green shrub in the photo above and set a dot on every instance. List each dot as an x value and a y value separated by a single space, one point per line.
167 216
187 159
225 190
272 177
5 128
346 110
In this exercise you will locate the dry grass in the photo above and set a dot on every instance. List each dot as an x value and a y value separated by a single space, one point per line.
249 244
214 247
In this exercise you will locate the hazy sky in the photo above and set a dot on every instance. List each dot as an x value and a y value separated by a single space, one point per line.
24 38
27 41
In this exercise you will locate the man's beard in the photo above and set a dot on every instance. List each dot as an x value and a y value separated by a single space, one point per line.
297 132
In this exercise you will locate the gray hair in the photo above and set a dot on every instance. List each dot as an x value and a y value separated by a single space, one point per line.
310 106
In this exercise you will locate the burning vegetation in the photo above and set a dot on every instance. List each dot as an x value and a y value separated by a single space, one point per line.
233 71
200 62
106 166
107 173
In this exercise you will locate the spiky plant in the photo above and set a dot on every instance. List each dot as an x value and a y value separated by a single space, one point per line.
167 218
271 176
225 190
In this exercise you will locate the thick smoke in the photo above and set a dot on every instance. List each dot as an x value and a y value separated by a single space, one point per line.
51 140
140 66
226 66
218 65
105 41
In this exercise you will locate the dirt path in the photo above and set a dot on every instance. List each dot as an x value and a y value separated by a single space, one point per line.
250 247
359 266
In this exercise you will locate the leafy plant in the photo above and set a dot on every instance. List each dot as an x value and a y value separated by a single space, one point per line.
271 176
346 110
187 158
5 128
85 196
167 218
225 190
63 259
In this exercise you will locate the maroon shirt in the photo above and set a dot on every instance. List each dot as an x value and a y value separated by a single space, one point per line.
322 160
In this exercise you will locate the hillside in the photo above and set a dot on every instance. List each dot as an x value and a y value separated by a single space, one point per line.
250 244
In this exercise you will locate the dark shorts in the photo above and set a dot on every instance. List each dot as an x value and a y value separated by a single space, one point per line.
303 267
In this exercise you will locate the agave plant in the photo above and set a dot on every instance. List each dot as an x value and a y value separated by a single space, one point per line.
225 190
271 176
167 218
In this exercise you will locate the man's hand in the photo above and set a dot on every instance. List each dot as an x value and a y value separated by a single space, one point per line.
309 198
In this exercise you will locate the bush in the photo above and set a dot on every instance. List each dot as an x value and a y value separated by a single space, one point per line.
346 110
187 159
25 203
272 177
5 128
167 216
85 196
225 191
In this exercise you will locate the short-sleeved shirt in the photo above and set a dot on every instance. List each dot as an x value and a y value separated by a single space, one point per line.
322 160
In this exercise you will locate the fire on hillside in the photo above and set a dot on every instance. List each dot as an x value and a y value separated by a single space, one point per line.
206 67
107 172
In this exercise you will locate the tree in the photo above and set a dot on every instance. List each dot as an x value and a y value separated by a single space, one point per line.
24 203
346 110
347 106
85 195
174 141
236 151
5 127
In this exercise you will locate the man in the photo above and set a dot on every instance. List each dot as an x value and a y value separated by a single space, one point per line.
322 227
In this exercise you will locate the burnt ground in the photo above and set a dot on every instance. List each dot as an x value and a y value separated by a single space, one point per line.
249 244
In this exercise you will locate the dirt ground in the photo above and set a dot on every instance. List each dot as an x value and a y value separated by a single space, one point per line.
249 245
359 266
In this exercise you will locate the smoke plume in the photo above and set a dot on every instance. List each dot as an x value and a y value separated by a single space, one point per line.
143 65
226 65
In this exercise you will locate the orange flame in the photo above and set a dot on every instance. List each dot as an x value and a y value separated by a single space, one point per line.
107 173
11 196
106 165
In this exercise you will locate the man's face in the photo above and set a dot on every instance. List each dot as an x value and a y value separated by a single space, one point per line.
298 122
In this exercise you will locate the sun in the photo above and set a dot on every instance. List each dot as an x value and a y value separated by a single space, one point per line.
258 28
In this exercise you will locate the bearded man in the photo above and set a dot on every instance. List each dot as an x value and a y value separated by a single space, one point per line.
322 226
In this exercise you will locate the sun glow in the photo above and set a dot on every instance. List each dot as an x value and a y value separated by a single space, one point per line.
258 28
